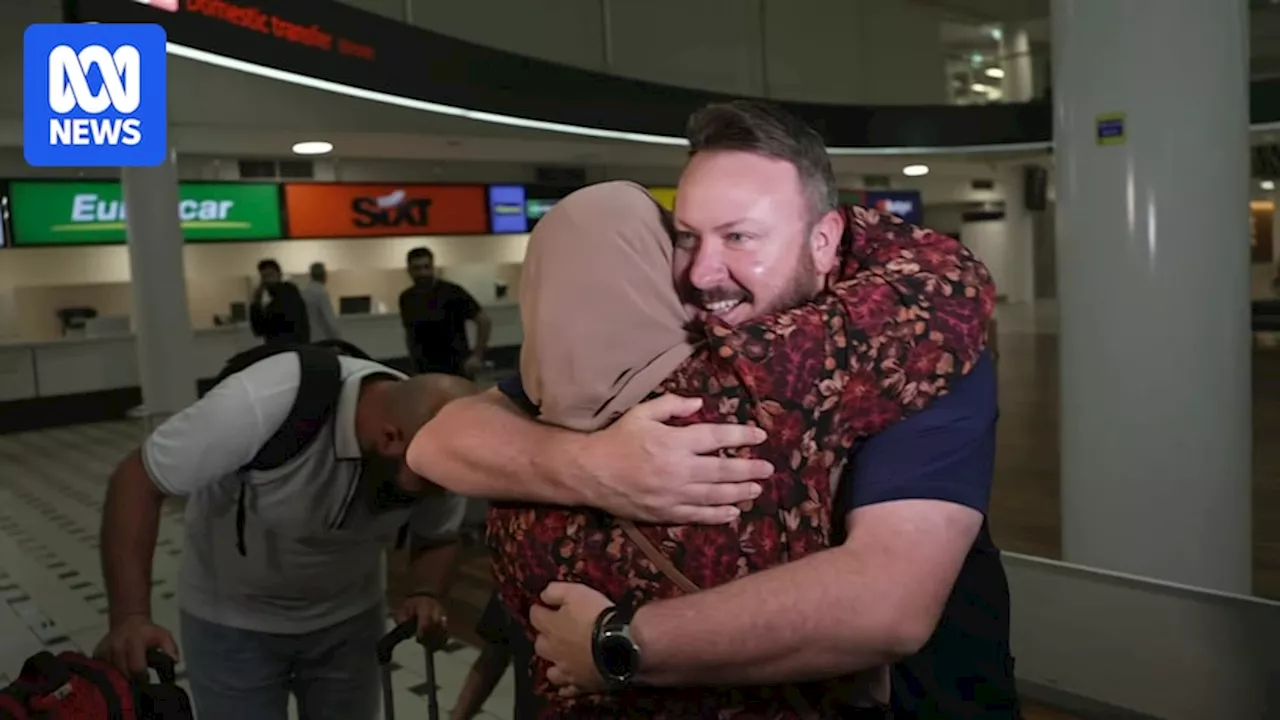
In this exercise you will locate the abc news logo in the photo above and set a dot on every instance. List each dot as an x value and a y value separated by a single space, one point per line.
69 91
94 95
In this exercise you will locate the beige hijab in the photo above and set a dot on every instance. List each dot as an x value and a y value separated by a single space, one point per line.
603 325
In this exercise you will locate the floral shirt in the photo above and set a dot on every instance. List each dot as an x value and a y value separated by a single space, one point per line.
904 315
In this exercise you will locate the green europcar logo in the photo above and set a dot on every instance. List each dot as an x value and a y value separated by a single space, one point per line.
76 213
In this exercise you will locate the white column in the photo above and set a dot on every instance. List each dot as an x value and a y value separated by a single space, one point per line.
1019 238
161 321
1154 288
1275 230
1019 80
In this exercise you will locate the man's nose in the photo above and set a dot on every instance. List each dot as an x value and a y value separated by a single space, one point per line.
707 269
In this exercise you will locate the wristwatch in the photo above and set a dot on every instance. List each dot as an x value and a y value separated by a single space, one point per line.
616 653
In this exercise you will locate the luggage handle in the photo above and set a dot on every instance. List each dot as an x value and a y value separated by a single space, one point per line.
386 647
164 665
405 631
399 634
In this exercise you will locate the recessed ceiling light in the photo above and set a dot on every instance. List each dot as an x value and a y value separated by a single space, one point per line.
915 170
312 147
980 88
1267 185
994 72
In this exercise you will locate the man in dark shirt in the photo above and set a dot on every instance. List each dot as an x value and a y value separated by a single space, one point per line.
945 452
435 314
278 314
916 583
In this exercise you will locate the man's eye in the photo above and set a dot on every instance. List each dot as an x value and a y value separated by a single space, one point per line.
736 237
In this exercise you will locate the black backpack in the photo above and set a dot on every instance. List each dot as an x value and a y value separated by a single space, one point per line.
317 399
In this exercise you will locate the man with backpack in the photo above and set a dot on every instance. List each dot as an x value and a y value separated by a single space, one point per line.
293 470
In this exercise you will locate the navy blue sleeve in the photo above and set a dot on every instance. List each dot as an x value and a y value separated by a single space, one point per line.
944 452
513 388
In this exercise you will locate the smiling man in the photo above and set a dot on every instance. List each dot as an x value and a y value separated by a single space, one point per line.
916 582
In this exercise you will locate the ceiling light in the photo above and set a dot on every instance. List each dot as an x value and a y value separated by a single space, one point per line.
915 170
312 147
1267 185
980 88
994 72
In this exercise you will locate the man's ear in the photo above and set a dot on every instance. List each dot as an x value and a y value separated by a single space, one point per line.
824 241
391 441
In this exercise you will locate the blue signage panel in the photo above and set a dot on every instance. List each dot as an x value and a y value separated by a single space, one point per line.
905 204
94 95
1111 129
506 210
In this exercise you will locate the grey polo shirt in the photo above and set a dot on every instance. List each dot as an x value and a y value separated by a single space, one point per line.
313 547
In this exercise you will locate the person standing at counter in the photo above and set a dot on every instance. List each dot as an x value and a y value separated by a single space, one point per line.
435 314
278 314
324 324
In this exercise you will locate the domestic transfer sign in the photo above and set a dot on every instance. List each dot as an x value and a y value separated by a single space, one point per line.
81 213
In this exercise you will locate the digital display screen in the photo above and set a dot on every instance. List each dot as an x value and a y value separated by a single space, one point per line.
507 210
905 204
535 209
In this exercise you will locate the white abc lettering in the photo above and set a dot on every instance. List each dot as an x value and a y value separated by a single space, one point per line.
121 79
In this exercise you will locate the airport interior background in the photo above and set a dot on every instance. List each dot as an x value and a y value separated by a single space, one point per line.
1118 499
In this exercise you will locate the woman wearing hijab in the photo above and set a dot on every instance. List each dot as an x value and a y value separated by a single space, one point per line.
902 318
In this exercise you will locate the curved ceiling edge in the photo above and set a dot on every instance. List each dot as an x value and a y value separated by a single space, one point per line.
293 78
338 48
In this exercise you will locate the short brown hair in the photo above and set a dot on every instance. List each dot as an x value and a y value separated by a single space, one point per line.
766 129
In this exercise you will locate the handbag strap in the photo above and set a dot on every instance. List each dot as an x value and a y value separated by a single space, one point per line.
682 581
657 557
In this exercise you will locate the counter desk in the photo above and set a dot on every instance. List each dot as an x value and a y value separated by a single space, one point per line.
87 379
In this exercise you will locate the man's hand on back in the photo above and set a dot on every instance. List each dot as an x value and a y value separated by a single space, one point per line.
639 468
650 471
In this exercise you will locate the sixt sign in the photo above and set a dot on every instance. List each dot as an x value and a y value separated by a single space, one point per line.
94 95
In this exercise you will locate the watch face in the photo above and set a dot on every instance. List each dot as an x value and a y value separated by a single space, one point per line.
618 656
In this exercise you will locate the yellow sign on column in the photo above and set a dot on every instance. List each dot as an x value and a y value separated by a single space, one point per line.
666 197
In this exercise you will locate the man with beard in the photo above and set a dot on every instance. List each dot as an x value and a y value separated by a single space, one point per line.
435 313
916 582
281 588
277 312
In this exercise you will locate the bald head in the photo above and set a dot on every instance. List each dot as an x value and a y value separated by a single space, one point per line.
389 414
413 402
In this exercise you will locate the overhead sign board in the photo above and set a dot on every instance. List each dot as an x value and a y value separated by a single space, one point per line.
324 210
906 204
666 197
86 213
507 213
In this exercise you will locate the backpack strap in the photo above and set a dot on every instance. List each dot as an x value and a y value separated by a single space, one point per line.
342 347
319 386
319 389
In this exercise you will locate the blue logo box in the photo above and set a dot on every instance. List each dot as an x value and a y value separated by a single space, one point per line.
94 95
